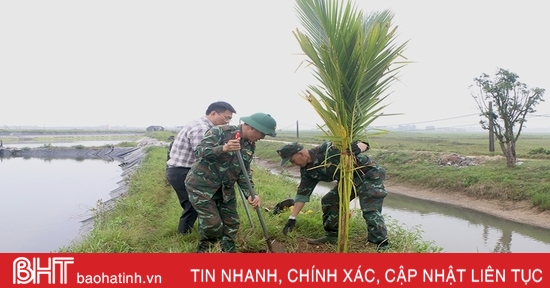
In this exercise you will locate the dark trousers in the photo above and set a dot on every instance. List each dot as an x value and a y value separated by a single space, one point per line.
176 178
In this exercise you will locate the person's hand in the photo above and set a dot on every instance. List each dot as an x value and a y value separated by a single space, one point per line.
289 226
255 202
363 146
232 145
358 147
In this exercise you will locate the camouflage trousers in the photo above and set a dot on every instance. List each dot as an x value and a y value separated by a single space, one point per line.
371 198
218 220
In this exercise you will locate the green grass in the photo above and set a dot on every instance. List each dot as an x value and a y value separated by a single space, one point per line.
489 180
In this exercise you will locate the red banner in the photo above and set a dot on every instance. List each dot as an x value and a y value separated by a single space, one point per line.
275 270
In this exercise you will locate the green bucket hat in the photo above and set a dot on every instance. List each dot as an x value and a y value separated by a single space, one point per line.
261 122
288 150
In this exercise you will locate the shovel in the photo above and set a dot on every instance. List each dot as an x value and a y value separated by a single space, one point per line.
270 243
246 207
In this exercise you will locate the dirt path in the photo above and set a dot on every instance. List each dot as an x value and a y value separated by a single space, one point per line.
518 211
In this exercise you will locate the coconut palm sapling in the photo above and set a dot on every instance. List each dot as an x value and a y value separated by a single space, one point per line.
354 59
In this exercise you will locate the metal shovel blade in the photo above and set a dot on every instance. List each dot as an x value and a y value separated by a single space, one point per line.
276 247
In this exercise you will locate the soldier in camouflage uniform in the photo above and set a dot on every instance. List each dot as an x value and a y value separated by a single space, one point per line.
212 178
319 164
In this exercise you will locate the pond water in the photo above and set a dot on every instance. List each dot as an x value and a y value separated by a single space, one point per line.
459 229
44 201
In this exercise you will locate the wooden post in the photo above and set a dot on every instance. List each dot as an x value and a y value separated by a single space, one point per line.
297 130
491 136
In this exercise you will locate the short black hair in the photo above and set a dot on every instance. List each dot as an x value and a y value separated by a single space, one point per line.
220 107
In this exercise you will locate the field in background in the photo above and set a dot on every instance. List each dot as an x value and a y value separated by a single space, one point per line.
464 143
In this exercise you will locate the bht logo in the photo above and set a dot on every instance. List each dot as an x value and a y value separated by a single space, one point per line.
26 271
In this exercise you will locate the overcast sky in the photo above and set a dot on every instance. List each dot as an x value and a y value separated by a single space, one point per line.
138 63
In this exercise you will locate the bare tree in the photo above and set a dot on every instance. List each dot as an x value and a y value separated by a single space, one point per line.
512 101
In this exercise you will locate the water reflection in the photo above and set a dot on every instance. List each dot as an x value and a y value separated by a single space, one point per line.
43 201
459 229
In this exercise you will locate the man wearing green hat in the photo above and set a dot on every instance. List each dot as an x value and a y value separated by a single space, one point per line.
211 180
319 164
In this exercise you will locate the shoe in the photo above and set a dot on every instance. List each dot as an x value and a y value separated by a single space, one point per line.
323 240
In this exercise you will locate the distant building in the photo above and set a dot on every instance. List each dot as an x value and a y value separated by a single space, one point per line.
155 128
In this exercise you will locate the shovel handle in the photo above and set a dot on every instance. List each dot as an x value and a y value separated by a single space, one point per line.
253 195
243 168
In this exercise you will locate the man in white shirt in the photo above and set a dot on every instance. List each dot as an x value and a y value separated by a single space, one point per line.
182 157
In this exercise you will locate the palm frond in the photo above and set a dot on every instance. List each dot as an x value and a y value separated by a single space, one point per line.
352 55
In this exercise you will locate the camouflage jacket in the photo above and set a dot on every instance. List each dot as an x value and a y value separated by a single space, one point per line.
325 159
214 168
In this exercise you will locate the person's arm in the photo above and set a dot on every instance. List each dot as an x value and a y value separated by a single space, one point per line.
298 206
305 189
210 147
